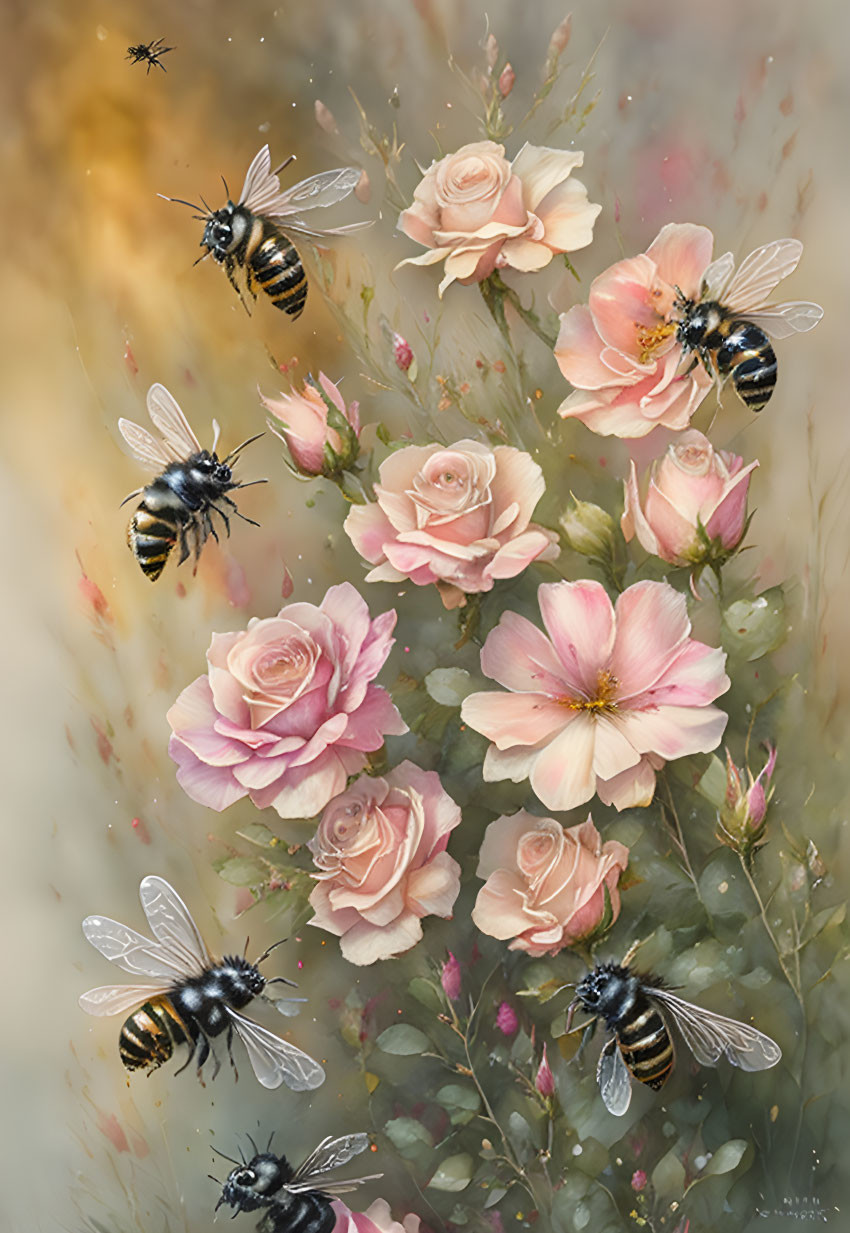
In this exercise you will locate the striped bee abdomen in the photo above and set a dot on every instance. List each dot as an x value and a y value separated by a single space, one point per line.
747 354
645 1043
149 1035
277 267
151 537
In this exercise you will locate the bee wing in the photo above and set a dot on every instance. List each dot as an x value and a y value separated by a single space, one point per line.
115 999
330 1154
708 1035
133 951
274 1060
331 1187
614 1081
783 320
716 276
297 227
759 273
325 189
147 448
172 423
172 925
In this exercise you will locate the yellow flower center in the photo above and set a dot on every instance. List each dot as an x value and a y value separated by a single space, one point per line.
603 701
650 339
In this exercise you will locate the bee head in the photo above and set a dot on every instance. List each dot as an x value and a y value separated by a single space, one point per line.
251 1186
591 989
219 235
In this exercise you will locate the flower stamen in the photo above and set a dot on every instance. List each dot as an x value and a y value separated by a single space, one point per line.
603 701
650 339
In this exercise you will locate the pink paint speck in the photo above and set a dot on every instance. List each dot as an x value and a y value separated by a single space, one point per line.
141 830
300 964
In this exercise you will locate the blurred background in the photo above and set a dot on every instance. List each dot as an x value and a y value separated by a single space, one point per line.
728 115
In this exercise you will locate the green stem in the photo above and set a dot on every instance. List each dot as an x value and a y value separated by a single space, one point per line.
675 828
530 318
494 298
787 973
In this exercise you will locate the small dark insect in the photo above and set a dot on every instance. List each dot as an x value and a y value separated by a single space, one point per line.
150 52
293 1199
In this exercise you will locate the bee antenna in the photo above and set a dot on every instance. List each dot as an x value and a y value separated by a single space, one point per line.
283 980
285 163
230 1158
241 447
226 189
180 201
203 257
214 1179
273 946
269 1144
208 209
253 1144
245 951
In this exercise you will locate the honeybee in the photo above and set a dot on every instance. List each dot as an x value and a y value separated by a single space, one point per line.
633 1006
294 1199
177 506
728 326
150 52
250 235
192 998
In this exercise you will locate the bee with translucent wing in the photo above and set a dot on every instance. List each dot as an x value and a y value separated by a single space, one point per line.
192 997
635 1008
192 484
297 1200
730 326
250 235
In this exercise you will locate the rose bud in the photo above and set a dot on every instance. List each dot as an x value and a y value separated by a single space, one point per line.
506 1019
695 510
319 431
545 1080
743 816
588 529
402 352
325 117
507 77
450 978
639 1180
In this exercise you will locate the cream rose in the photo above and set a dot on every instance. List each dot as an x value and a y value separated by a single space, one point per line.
380 849
477 212
457 517
546 884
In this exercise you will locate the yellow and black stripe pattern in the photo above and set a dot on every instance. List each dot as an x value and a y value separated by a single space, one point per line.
277 267
745 350
149 1035
645 1043
151 537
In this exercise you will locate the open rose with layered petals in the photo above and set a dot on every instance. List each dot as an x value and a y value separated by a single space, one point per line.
619 351
380 849
696 502
602 702
477 212
287 710
546 884
458 517
376 1219
315 446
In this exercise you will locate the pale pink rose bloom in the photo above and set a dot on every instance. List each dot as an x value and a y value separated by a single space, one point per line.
619 351
376 1219
287 710
380 849
304 423
545 884
477 212
602 702
458 517
692 484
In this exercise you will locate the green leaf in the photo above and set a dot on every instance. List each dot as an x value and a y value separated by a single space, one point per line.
668 1176
725 1159
712 785
453 1174
407 1135
824 920
520 1135
403 1039
258 833
425 993
242 871
752 627
449 686
461 1103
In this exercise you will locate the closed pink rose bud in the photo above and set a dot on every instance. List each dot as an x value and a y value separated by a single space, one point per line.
319 431
325 117
507 77
743 816
639 1180
506 1019
545 1080
450 978
560 38
695 510
402 352
491 51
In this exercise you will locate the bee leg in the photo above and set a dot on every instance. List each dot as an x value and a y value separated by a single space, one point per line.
184 546
236 510
193 1045
209 529
223 517
230 1051
229 267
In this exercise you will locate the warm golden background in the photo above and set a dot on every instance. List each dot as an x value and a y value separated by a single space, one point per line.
730 114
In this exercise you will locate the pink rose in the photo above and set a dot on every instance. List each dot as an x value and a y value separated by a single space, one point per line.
477 212
376 1219
380 848
315 446
458 517
690 487
286 711
602 702
619 351
546 884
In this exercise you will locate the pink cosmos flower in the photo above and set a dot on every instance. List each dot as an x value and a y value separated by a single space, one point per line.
380 849
477 212
287 710
691 486
316 448
458 517
619 351
546 885
376 1219
602 702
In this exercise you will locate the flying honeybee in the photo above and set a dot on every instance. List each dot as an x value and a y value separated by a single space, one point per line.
192 998
728 326
177 506
149 52
250 235
633 1006
294 1199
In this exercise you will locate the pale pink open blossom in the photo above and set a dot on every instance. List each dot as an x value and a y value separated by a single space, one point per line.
376 1219
600 704
380 848
287 710
546 885
458 517
619 351
477 212
696 502
316 447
